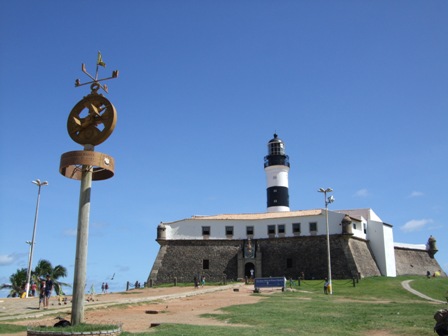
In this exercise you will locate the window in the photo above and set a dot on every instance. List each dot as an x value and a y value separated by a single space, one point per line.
295 227
277 148
354 226
229 230
205 264
289 263
206 230
271 229
365 227
313 226
249 230
281 228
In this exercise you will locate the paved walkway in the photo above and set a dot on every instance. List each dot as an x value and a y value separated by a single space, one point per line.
406 286
16 308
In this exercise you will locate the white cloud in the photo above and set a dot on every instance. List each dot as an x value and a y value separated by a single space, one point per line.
70 232
416 194
122 268
415 225
7 259
362 193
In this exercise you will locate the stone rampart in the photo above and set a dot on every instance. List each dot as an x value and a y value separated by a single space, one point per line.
415 262
289 257
185 259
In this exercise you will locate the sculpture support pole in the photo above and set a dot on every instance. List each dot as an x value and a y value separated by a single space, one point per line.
79 281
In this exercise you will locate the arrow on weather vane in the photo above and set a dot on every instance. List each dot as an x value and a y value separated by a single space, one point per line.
95 80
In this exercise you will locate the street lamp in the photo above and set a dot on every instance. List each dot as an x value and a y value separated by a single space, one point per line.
30 260
328 200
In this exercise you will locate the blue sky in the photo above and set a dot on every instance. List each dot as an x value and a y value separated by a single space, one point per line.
358 91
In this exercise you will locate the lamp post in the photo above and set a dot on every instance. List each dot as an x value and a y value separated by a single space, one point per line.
30 260
328 200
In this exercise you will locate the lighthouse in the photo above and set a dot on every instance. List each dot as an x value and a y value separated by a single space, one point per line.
276 166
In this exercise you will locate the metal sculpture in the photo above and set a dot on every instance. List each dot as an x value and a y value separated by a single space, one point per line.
90 122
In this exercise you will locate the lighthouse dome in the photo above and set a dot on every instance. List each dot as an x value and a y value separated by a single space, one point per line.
276 146
276 153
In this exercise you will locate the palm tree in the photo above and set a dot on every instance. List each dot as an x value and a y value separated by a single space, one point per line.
44 268
18 281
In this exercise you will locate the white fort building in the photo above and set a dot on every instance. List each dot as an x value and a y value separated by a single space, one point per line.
281 242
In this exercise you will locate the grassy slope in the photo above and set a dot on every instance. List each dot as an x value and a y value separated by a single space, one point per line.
376 303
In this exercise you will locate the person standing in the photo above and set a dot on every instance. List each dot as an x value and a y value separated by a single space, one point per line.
106 287
33 289
103 288
203 281
42 294
48 290
326 283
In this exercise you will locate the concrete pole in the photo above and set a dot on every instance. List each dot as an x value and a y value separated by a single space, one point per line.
330 285
30 259
79 281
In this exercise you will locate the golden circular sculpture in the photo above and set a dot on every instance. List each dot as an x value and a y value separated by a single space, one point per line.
72 163
92 120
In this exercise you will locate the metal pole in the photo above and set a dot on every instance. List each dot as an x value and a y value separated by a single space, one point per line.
328 201
30 260
79 281
28 274
330 285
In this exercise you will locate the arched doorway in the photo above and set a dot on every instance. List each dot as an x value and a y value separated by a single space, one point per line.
249 270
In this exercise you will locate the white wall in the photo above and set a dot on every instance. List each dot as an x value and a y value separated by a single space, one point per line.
379 234
191 228
381 240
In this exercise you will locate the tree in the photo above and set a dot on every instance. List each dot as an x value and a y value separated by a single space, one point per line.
44 268
18 282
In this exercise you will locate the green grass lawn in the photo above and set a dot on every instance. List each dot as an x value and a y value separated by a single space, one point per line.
435 288
375 304
11 328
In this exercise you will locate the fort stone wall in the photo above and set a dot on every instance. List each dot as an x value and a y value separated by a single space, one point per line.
415 262
184 259
289 257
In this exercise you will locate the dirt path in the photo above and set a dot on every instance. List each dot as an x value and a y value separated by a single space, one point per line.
138 317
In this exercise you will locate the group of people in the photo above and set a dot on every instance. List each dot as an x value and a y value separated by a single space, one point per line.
104 287
45 290
198 282
435 274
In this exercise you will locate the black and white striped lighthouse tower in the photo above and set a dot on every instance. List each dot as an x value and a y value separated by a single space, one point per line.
276 166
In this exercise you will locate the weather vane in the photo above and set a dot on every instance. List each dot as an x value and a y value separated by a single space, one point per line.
94 80
95 125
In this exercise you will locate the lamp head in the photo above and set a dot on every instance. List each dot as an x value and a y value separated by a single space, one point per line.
39 183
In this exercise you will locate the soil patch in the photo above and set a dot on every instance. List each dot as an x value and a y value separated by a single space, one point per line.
138 317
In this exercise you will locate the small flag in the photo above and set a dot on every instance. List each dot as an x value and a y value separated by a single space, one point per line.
100 60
